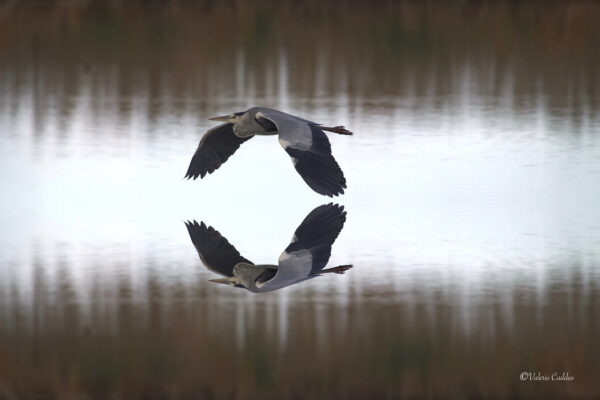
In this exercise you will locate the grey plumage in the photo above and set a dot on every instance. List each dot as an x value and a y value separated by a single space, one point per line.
303 140
304 258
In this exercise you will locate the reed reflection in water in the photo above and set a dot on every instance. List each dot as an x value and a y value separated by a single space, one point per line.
473 219
187 337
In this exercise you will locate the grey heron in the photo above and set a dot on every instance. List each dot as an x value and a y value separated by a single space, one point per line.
303 140
304 258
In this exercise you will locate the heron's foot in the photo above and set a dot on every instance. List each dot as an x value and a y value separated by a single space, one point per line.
337 270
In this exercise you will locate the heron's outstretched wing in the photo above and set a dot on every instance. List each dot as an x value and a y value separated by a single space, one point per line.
310 151
215 147
316 165
316 235
310 248
216 253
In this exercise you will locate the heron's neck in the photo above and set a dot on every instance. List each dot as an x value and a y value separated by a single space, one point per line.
242 133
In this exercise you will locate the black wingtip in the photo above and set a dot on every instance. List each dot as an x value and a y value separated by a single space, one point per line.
321 172
339 192
329 191
191 174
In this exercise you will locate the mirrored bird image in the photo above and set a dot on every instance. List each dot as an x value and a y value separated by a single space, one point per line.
304 258
304 141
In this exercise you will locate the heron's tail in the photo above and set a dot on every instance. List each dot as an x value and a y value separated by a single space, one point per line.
337 129
340 269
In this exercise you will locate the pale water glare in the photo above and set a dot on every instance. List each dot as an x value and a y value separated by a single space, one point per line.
473 191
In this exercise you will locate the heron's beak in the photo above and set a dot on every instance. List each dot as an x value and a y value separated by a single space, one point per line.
224 118
226 281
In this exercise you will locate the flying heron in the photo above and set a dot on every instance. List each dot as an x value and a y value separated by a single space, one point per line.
304 258
303 140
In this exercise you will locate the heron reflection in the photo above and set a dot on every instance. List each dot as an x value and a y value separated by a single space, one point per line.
304 258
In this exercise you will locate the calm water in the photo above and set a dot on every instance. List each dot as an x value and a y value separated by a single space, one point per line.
473 190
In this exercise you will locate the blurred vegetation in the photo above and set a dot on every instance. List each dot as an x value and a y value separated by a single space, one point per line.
183 54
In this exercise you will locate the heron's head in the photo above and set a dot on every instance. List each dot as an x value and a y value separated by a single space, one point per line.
244 276
231 118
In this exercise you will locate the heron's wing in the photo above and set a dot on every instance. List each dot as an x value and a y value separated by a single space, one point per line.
215 147
216 253
317 166
310 151
310 248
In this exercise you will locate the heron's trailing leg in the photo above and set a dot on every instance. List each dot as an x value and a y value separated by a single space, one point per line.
336 270
337 129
